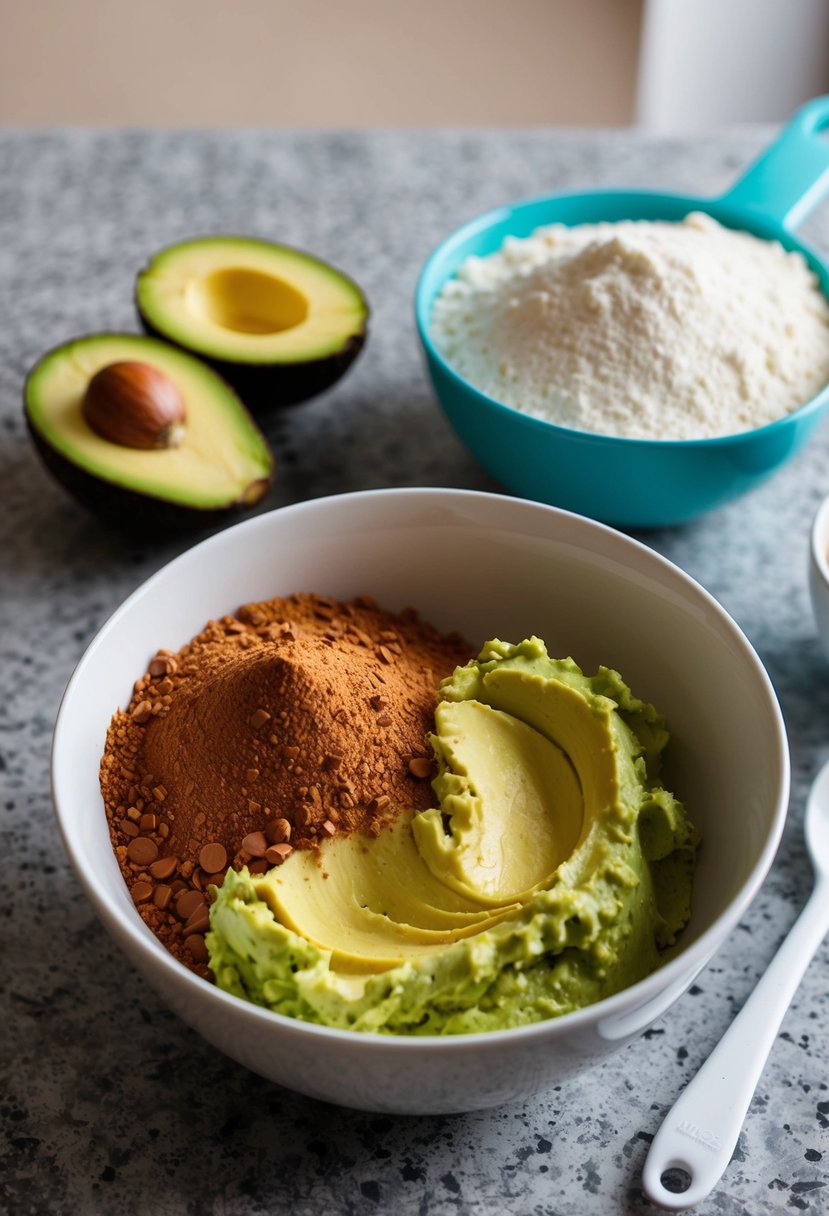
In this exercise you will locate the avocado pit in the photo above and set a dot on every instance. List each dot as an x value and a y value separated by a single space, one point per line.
135 405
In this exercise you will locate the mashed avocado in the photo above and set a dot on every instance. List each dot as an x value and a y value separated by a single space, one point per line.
553 870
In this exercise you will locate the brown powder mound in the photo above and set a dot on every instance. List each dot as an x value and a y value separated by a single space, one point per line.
271 730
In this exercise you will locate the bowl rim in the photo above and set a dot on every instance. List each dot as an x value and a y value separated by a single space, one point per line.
716 207
819 541
685 964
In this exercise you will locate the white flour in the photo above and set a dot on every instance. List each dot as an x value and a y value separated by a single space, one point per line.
643 329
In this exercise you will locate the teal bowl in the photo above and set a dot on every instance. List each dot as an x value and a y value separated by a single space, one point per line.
635 482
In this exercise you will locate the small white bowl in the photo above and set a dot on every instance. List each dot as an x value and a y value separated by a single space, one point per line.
819 573
487 566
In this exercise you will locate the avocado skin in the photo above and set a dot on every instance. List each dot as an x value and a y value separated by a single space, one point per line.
267 386
128 511
125 510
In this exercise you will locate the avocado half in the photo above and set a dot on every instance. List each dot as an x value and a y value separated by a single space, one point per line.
276 323
222 463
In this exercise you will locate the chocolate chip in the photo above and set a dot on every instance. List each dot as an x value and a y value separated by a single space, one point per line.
420 767
164 867
141 891
142 851
213 857
278 831
199 922
255 843
162 896
187 903
197 948
277 853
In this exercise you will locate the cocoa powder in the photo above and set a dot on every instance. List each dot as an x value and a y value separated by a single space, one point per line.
273 729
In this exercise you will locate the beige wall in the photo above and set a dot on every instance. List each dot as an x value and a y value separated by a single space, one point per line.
318 62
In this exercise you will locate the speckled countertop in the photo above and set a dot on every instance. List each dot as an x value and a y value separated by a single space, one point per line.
109 1103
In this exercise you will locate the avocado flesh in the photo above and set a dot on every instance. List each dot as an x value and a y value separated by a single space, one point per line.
223 460
277 323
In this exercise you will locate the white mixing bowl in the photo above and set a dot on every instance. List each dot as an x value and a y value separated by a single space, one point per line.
487 566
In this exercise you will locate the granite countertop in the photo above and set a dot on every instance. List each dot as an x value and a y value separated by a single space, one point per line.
111 1104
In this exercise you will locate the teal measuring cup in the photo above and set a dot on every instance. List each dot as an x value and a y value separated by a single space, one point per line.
636 482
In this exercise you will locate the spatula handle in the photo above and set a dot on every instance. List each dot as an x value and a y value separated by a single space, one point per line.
700 1131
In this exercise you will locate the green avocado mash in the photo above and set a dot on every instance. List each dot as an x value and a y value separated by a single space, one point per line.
554 870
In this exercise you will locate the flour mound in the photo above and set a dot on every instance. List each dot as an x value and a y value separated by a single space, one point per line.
641 329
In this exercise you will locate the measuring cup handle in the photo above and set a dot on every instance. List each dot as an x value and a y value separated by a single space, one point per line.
790 177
